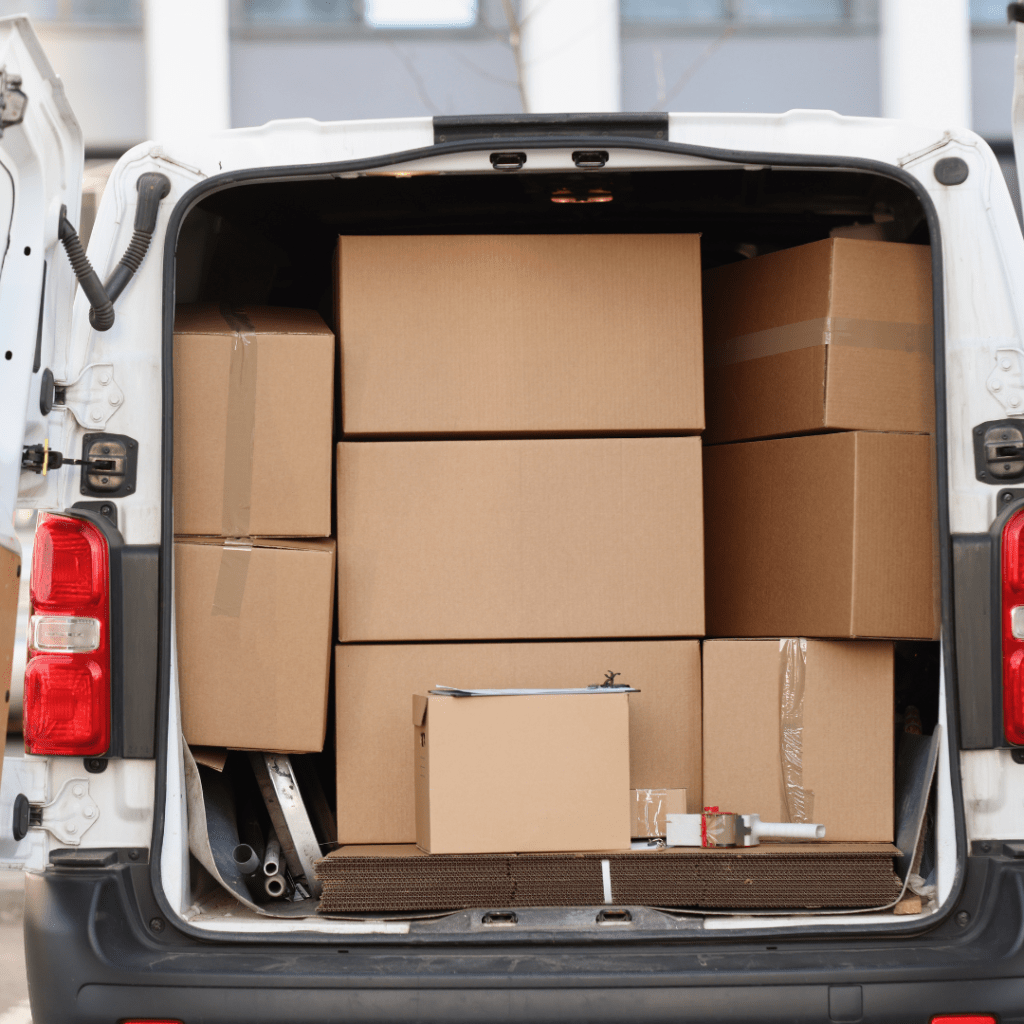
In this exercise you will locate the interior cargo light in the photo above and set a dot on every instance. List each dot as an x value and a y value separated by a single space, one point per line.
593 195
67 679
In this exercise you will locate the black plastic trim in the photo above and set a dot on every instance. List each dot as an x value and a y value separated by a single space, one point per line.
567 141
974 562
556 126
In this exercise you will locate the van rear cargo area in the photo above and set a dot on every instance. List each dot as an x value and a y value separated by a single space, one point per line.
632 433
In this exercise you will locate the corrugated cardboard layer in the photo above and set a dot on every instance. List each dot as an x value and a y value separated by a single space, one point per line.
827 536
521 773
254 642
253 422
844 747
835 334
492 540
374 685
771 876
471 334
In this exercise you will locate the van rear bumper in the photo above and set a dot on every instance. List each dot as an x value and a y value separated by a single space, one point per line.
94 957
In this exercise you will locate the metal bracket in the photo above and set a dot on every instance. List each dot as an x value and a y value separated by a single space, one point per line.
92 397
70 814
1006 381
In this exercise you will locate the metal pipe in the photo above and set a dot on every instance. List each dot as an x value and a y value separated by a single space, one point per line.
272 858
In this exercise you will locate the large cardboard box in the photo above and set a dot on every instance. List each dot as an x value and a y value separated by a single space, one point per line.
513 334
374 684
494 540
253 422
254 642
832 535
835 334
522 773
822 708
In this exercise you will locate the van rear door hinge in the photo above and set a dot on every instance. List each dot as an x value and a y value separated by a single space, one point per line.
12 100
67 817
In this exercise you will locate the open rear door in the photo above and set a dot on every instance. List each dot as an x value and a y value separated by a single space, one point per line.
41 161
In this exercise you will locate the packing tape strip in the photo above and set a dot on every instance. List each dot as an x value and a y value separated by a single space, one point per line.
798 801
606 879
231 579
241 425
843 331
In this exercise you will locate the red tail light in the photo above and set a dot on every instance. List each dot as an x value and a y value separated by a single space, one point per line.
67 680
964 1018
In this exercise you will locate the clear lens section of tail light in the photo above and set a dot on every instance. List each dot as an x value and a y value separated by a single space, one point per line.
65 633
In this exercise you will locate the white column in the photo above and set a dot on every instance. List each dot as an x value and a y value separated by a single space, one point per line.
570 55
187 80
926 61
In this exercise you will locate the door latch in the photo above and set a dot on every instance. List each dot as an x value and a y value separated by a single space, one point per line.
999 451
109 463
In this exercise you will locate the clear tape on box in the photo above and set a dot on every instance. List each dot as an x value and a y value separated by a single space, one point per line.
796 798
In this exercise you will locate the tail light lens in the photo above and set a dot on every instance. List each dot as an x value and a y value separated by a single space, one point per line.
67 680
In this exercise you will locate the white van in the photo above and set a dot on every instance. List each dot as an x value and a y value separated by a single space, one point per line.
111 927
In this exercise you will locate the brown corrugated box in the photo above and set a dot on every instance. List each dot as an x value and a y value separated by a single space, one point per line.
832 535
374 684
835 334
253 422
650 807
838 726
509 774
513 334
526 539
254 642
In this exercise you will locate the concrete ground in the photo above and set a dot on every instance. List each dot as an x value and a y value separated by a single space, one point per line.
13 986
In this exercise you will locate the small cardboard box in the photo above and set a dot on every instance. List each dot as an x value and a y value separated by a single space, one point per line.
835 334
513 334
832 535
650 807
254 642
513 774
374 684
253 422
496 540
825 708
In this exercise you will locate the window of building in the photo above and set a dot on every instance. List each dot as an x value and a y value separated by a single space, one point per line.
988 12
373 14
755 12
83 12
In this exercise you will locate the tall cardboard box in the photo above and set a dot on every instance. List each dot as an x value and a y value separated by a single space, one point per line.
832 535
824 709
254 642
374 684
253 422
519 774
520 334
494 540
835 334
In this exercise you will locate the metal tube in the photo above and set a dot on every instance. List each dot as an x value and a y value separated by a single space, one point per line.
272 858
276 886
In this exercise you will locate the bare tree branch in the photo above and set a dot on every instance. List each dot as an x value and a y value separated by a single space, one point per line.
515 42
684 78
417 78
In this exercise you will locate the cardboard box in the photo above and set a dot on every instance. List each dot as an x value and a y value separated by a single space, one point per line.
253 422
835 334
840 733
374 684
254 642
832 535
521 773
514 334
494 540
650 807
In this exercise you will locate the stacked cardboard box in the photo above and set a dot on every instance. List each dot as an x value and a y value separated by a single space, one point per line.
253 430
517 467
820 513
